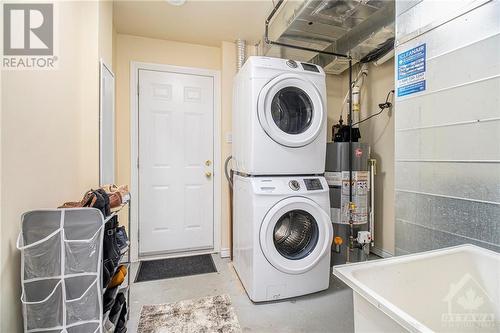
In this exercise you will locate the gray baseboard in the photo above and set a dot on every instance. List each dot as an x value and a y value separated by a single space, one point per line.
381 252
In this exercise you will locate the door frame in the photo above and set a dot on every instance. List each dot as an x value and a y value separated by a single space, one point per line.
135 66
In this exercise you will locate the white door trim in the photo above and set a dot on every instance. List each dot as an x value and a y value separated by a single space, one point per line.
134 147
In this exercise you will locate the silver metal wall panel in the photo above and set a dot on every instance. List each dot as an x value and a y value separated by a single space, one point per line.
430 239
470 219
447 137
463 99
414 19
451 179
403 6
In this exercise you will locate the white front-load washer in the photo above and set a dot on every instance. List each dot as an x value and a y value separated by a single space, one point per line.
279 118
282 235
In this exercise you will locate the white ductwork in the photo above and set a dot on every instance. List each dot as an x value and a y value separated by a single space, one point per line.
240 53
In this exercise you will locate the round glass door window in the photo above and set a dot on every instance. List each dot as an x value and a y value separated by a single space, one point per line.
292 110
295 234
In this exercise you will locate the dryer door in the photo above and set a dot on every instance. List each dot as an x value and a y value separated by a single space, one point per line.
295 234
291 110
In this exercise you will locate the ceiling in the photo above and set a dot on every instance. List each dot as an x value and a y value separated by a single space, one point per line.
197 22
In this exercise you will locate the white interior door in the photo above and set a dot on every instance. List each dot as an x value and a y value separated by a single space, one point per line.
176 136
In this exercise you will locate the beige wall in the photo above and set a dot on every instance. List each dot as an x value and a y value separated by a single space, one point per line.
106 31
49 139
228 66
133 48
335 91
379 133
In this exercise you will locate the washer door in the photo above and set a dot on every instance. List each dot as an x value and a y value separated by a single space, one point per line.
290 110
295 234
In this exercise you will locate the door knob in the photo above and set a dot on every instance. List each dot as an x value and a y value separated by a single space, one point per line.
208 174
208 162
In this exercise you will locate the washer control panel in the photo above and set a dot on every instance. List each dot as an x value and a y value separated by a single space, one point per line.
313 184
294 185
292 64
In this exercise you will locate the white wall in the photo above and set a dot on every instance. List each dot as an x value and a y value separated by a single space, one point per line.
49 139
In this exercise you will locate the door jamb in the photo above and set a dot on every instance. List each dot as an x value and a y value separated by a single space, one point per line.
135 66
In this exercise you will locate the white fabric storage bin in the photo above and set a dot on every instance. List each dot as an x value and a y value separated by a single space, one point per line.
61 260
82 299
43 304
40 242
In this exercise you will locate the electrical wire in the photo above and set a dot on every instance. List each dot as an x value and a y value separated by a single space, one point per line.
226 170
383 106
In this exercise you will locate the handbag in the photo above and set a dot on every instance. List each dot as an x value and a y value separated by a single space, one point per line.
110 250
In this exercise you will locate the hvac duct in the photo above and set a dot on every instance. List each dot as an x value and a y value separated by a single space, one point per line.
241 53
363 29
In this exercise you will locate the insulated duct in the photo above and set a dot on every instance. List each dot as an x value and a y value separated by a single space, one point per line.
240 53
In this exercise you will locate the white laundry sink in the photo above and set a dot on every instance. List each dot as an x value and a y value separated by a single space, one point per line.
455 289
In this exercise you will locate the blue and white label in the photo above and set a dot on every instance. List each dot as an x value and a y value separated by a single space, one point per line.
411 71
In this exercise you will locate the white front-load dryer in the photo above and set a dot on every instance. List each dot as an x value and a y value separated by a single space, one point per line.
282 236
279 118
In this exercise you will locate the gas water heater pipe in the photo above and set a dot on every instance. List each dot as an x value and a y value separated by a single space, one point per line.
357 84
373 172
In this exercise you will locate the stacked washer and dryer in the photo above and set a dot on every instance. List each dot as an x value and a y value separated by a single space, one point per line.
282 232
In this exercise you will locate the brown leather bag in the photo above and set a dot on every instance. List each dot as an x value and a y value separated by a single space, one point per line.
115 199
115 194
86 201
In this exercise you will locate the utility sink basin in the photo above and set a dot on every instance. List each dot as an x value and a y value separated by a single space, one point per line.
455 289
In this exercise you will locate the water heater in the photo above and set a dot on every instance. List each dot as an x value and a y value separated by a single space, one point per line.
338 175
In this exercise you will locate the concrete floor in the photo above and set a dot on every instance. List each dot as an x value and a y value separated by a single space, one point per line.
326 311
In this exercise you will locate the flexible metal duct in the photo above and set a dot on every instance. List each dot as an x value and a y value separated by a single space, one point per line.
241 53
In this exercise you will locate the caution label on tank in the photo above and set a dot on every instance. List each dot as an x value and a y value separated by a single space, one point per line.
360 191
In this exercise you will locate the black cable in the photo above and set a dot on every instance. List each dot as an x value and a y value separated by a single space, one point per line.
379 52
382 107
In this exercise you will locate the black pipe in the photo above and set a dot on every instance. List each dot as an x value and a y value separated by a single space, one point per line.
350 130
266 38
351 222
